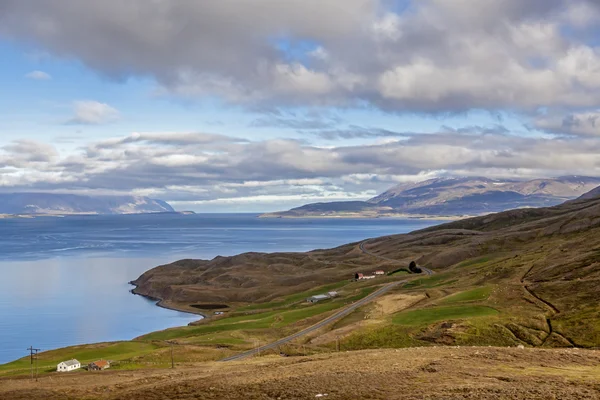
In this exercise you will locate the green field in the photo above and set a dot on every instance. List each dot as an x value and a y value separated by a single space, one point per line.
478 294
265 320
429 282
474 261
295 298
428 316
48 360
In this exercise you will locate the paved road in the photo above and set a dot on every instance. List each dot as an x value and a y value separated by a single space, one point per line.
361 246
326 321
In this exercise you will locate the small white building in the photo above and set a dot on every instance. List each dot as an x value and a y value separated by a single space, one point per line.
67 366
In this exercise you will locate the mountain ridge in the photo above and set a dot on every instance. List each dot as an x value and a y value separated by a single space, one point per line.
466 196
65 204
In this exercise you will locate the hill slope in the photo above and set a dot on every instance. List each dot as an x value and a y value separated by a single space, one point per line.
432 373
538 270
46 203
455 196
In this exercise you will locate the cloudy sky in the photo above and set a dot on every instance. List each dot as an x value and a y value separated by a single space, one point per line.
260 105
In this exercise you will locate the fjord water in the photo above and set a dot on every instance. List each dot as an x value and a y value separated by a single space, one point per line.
64 281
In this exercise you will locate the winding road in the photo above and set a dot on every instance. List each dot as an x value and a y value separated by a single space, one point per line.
335 317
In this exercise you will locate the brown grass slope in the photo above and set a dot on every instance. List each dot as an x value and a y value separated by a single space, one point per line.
544 266
422 373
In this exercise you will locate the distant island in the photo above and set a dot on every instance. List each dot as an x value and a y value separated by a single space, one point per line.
451 198
32 204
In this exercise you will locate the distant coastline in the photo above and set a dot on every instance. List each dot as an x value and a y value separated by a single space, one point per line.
62 215
369 216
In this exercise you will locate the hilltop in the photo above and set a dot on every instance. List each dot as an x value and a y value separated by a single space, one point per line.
454 197
65 204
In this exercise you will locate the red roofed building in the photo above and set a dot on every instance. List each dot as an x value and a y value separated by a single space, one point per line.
98 365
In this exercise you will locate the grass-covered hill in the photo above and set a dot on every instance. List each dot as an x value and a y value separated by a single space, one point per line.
535 272
524 277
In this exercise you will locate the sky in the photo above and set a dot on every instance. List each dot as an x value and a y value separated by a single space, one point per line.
263 105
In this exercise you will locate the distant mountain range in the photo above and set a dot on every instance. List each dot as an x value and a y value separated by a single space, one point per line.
454 197
61 204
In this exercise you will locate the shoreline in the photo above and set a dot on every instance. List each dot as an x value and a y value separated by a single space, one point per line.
162 303
359 216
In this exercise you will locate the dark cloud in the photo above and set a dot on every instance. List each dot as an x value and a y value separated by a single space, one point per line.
575 124
434 56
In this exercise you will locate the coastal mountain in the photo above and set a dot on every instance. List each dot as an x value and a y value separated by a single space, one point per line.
62 204
454 197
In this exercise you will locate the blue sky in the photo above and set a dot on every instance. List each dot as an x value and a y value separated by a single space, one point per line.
224 107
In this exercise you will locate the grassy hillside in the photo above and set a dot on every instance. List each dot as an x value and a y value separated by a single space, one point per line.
525 277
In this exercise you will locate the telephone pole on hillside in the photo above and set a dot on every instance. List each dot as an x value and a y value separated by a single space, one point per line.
31 357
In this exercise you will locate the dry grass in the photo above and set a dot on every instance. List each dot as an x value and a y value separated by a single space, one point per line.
432 373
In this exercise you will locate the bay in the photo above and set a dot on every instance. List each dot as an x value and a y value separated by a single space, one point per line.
64 281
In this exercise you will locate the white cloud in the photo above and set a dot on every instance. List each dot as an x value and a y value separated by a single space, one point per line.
93 113
38 76
188 167
435 56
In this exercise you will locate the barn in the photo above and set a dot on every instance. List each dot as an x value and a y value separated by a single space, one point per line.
317 298
98 365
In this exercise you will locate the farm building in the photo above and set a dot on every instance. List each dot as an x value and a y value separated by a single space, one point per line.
67 366
317 298
360 276
379 272
332 294
98 365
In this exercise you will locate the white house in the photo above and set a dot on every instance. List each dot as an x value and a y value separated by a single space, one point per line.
67 366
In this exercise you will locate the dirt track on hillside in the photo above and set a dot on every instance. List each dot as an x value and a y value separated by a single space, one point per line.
421 373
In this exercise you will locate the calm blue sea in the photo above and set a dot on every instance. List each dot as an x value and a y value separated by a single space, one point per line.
63 281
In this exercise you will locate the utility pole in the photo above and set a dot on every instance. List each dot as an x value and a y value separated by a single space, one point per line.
172 359
36 364
31 354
